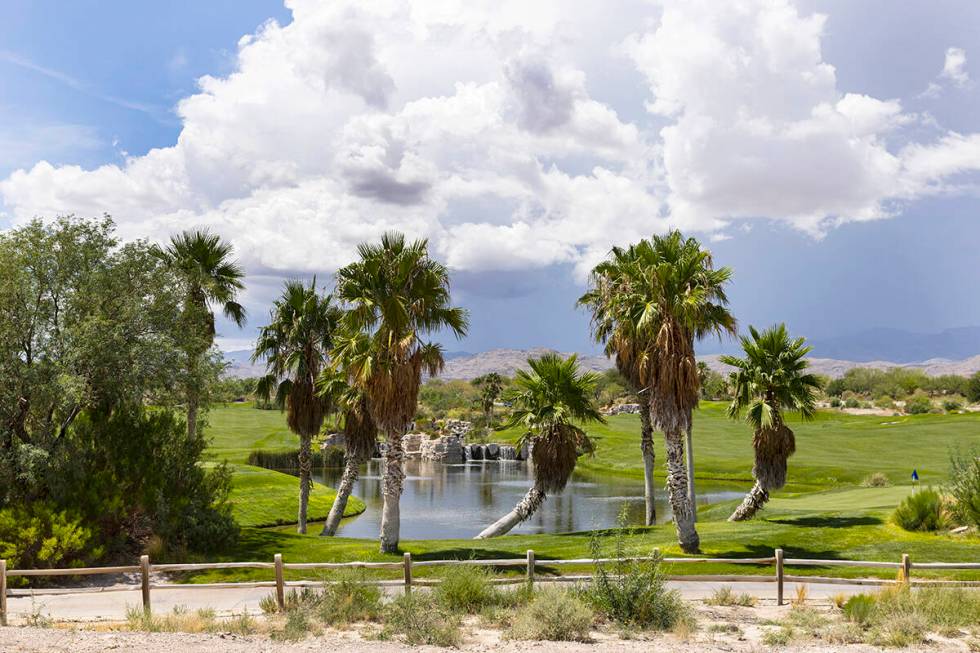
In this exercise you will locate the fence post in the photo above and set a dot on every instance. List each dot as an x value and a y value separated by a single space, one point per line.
145 581
530 567
280 584
408 573
907 568
779 576
3 592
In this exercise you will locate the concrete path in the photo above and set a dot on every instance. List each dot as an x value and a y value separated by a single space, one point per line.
111 605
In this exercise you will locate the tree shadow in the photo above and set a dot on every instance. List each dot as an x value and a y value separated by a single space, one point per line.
830 521
789 551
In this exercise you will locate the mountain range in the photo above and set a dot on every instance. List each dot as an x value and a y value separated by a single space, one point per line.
953 351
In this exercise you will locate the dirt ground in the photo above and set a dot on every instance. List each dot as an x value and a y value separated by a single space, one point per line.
727 629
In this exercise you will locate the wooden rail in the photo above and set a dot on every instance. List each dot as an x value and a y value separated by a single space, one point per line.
531 564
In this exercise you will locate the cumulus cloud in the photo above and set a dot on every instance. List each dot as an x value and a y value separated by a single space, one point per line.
954 67
475 124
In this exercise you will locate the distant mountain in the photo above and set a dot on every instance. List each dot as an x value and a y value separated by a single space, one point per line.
240 365
833 367
886 344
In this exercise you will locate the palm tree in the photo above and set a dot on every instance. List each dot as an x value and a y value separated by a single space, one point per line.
491 385
614 325
548 402
204 265
396 295
295 346
360 438
771 378
675 296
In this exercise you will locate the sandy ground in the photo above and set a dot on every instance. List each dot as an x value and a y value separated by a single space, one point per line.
108 606
747 638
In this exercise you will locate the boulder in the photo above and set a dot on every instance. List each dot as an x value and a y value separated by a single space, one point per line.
476 452
493 451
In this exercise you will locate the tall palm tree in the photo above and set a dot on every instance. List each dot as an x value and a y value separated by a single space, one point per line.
614 325
204 264
549 402
771 378
295 346
675 297
397 295
491 385
360 438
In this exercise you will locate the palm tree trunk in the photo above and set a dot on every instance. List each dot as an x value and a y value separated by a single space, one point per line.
352 468
391 490
680 500
305 481
524 509
751 504
689 450
649 465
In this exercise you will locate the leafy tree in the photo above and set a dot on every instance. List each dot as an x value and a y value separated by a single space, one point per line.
549 402
771 378
397 294
296 346
491 385
210 278
671 296
973 389
612 299
360 437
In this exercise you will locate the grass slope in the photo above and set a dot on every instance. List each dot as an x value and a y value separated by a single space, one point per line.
263 497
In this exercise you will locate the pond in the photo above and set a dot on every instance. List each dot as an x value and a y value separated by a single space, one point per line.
458 501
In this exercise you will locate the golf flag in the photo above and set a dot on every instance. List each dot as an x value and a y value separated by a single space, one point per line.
915 475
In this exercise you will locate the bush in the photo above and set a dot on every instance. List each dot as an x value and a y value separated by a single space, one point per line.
36 536
632 593
951 405
350 599
724 595
918 404
921 511
876 480
973 389
852 403
331 456
859 608
466 589
835 403
421 620
554 615
964 485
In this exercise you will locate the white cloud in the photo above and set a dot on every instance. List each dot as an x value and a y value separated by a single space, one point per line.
475 124
954 67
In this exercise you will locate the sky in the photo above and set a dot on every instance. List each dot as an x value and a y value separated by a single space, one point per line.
828 151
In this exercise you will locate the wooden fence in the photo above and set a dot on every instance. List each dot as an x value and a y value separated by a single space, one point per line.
530 564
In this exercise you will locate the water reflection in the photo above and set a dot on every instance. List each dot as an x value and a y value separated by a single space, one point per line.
457 501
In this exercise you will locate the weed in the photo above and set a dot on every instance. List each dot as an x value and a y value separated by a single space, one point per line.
876 480
466 589
349 599
800 595
781 636
859 609
554 615
725 595
297 626
420 620
268 604
36 616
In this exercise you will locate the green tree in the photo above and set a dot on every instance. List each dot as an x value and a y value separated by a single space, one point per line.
360 438
550 401
675 297
396 295
491 385
770 378
295 346
210 278
973 389
612 298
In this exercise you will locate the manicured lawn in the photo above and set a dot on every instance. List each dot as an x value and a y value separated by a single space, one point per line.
262 497
822 514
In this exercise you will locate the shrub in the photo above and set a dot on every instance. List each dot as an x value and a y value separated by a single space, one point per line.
859 608
466 589
852 403
554 615
951 405
973 388
835 403
350 599
633 592
918 404
38 536
876 480
420 620
920 511
964 485
724 595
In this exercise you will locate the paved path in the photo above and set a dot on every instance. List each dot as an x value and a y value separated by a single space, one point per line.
94 606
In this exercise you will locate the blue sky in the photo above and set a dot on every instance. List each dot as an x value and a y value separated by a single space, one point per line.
827 151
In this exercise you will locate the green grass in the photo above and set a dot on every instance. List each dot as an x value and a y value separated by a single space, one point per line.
822 514
263 497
